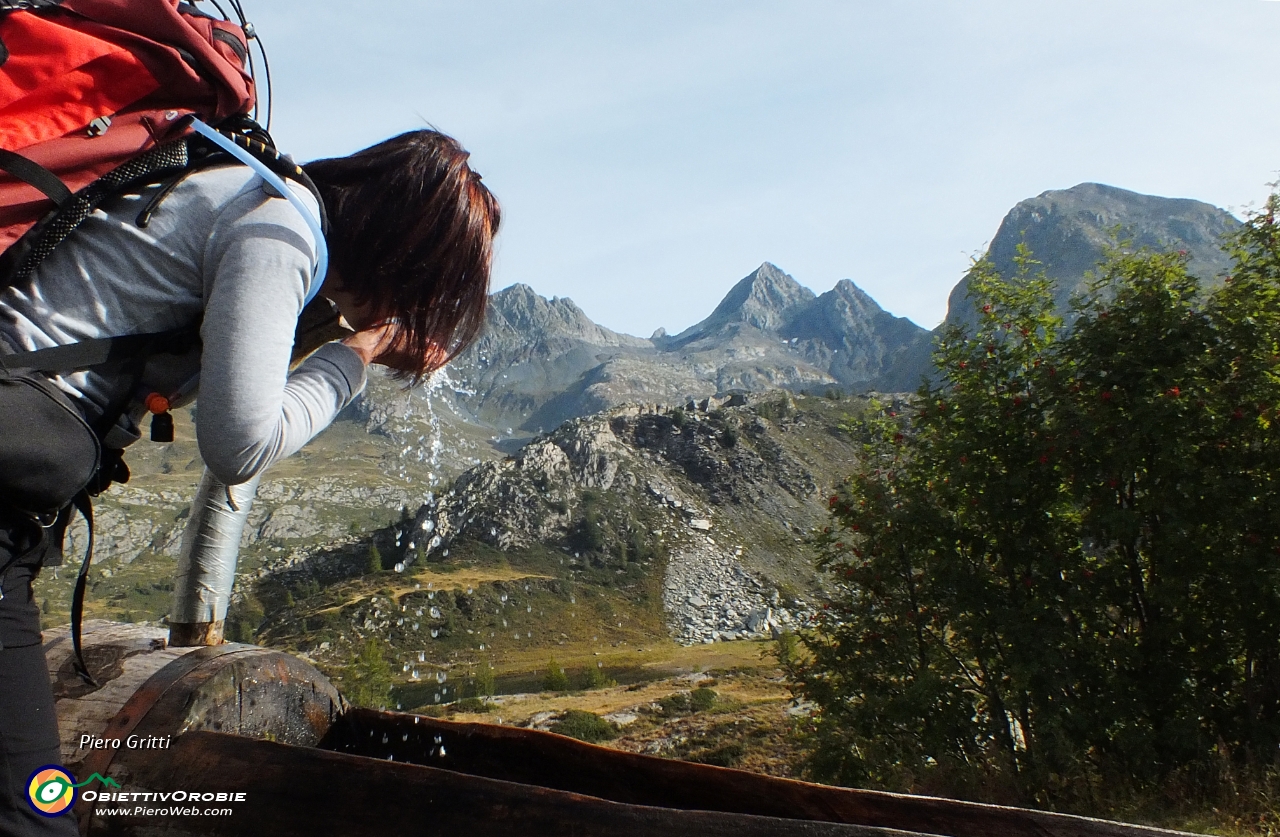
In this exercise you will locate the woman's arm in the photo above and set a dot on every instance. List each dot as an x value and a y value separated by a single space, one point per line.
252 411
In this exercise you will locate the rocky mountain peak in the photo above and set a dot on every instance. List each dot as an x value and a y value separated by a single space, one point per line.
1069 230
853 297
765 299
524 310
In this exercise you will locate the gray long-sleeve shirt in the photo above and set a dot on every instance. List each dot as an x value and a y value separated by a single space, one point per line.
223 246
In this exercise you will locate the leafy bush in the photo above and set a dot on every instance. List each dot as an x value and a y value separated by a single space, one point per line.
482 684
1061 576
682 703
471 704
555 679
726 755
366 681
593 677
785 648
702 699
644 545
588 534
584 726
243 620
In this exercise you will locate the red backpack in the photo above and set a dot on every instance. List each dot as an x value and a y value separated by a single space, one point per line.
97 96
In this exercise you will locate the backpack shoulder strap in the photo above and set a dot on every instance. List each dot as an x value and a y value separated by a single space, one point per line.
251 153
170 161
34 174
29 251
87 354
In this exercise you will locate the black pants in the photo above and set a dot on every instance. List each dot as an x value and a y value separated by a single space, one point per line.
28 724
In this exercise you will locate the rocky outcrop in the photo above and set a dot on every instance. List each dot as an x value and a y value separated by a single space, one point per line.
716 494
526 498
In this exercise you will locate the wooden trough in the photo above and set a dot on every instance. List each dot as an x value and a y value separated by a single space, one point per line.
272 735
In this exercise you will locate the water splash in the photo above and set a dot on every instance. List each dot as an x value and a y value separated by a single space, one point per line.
400 418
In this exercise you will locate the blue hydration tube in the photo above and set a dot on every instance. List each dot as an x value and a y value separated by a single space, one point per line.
322 250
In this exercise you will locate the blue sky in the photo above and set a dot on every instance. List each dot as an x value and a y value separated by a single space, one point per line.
649 155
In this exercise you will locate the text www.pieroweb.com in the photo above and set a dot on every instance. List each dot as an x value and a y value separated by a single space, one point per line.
153 803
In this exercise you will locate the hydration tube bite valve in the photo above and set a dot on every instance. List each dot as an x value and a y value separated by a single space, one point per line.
161 418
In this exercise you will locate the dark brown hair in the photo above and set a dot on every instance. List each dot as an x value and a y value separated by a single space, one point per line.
411 231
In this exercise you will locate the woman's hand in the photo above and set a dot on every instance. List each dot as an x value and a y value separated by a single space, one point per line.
380 344
372 342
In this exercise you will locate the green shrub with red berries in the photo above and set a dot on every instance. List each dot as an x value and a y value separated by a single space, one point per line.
1059 576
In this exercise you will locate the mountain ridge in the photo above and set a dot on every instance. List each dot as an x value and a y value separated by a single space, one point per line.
1069 231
